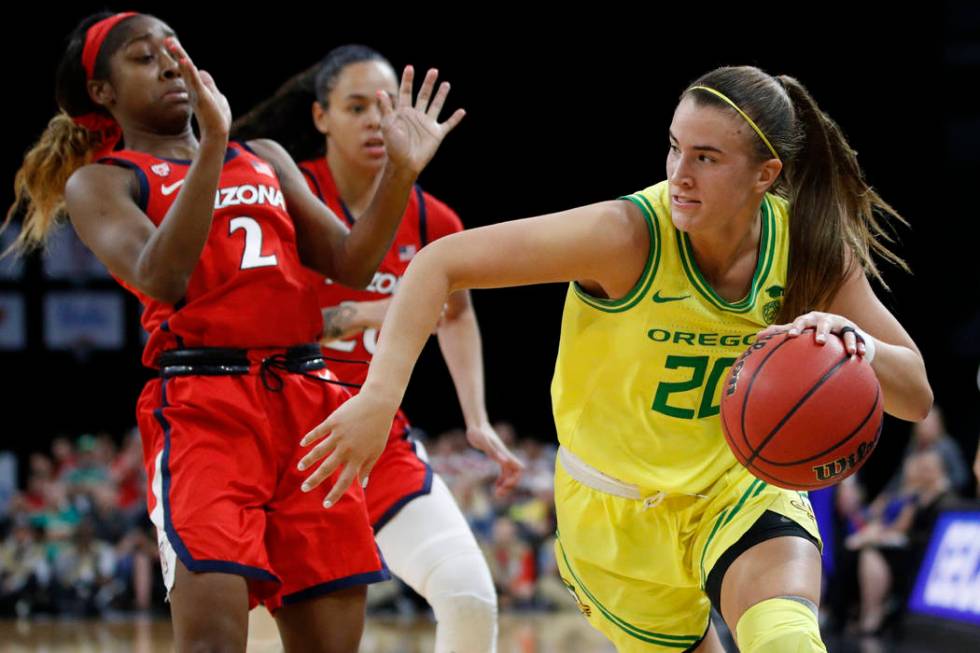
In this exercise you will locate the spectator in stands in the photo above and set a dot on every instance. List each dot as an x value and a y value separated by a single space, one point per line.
930 434
24 570
892 544
85 573
512 565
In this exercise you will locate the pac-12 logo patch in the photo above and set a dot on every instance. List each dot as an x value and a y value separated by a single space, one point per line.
161 169
263 169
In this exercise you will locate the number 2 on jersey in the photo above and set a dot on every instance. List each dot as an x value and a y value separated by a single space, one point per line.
699 366
252 255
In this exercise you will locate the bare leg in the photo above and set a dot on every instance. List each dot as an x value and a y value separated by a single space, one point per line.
780 567
210 612
142 580
875 580
332 623
711 643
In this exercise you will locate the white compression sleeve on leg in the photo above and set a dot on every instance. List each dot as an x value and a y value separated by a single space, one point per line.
429 545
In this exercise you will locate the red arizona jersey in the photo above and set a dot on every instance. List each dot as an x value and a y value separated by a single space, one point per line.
426 219
249 289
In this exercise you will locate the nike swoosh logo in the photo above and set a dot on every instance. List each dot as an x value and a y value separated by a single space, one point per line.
168 190
661 300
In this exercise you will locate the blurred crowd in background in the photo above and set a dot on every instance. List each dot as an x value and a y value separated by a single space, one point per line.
75 538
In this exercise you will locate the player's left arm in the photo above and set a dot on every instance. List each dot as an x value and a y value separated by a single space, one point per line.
897 361
462 349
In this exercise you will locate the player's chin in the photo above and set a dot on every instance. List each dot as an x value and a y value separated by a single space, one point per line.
374 161
175 119
686 221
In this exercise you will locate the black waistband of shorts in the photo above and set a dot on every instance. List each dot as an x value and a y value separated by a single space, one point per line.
221 361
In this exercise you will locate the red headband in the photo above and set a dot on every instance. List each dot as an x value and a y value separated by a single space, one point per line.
94 36
97 121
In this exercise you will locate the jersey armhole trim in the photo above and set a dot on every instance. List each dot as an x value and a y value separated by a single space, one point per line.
639 290
423 216
316 184
144 197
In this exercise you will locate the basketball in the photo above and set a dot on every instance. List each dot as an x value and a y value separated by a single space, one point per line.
801 415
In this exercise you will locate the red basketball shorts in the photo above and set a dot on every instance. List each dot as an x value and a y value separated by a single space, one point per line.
221 455
399 476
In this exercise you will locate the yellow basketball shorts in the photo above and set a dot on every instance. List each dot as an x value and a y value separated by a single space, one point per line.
638 573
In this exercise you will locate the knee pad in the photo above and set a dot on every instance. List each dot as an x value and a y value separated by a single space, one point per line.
779 625
429 546
464 601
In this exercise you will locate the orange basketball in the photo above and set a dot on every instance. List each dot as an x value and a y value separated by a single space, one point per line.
801 415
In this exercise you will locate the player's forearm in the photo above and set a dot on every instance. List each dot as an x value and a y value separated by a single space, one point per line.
171 254
904 384
459 340
371 236
412 316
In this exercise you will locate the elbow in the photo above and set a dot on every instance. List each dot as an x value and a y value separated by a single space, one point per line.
923 397
915 404
361 280
162 285
923 405
167 292
356 279
348 270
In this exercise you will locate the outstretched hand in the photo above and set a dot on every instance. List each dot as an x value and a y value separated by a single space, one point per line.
485 439
412 131
352 439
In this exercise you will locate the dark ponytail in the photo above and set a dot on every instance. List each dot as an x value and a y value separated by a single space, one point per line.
286 117
836 215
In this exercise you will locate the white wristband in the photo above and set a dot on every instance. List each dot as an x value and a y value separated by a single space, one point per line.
869 343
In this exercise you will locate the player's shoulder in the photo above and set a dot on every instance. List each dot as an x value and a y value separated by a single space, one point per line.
97 178
654 198
265 149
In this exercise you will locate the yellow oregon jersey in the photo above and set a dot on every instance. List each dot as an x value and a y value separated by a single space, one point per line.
638 380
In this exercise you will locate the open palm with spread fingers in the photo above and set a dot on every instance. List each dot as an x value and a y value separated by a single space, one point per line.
412 131
353 437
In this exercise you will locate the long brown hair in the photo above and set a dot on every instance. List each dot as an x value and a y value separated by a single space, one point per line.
64 147
837 220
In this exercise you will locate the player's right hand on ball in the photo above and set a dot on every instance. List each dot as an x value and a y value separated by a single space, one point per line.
353 437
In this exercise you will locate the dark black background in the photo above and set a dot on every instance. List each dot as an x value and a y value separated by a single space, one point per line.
565 108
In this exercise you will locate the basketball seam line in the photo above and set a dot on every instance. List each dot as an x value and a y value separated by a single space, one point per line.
826 377
874 405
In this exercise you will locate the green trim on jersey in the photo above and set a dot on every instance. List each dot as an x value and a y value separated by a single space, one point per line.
767 249
643 284
669 641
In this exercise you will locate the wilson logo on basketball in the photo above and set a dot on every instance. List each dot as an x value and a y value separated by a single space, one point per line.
801 414
835 468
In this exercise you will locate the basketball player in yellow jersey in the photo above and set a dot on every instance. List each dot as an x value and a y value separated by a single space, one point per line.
656 518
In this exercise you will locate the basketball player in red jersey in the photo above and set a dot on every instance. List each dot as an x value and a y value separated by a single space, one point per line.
420 530
198 230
